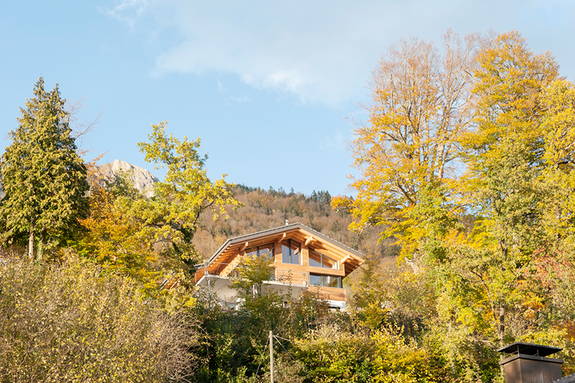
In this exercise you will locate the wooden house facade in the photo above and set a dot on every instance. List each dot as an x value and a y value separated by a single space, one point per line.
303 260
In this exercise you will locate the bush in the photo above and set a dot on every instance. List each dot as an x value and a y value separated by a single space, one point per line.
331 355
72 323
236 341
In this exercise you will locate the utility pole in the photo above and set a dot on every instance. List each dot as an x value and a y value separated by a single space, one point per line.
271 356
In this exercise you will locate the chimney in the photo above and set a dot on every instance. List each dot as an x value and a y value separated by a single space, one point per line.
528 363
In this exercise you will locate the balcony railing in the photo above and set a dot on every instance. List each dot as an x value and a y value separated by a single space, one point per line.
289 277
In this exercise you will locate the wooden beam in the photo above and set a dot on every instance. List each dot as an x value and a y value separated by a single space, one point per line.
308 241
281 238
245 246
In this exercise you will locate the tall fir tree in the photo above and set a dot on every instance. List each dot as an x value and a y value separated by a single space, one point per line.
43 176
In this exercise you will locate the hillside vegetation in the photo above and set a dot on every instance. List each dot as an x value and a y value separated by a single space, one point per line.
262 209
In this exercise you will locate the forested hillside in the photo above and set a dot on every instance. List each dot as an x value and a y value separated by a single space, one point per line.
262 209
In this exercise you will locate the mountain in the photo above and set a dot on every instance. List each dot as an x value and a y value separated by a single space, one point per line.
141 178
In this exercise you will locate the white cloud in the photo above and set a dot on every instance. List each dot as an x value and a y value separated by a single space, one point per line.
339 141
128 11
321 51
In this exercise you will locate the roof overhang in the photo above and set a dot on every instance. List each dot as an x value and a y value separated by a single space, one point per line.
349 257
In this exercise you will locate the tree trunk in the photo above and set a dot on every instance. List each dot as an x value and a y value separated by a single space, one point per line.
31 245
40 249
501 325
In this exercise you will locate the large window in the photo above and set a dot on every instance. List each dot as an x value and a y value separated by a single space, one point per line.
325 280
291 251
264 251
319 260
261 251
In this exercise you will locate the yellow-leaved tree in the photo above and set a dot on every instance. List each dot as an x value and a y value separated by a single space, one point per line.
111 237
408 149
504 159
487 227
151 238
172 216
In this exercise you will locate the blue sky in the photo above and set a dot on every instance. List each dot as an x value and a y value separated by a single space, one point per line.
274 89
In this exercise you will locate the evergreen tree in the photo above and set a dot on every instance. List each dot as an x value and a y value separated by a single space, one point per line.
43 176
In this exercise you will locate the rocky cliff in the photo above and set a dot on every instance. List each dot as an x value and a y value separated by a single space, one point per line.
141 178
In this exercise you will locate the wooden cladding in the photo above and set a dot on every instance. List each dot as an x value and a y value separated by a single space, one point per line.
300 255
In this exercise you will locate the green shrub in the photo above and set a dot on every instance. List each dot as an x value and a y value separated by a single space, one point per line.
73 323
332 355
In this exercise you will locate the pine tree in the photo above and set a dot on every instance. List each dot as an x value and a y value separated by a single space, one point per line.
43 176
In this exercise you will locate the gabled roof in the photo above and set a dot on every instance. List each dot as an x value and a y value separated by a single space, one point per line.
294 227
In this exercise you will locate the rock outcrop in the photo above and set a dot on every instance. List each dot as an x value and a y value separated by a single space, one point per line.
141 178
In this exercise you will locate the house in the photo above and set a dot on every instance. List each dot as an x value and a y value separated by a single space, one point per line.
303 260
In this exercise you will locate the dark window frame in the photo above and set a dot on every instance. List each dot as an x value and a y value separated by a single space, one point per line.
321 263
326 280
291 255
257 249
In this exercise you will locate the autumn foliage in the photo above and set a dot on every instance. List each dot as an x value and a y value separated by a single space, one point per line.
463 206
75 323
475 192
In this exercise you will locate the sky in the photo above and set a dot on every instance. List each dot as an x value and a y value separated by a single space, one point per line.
274 89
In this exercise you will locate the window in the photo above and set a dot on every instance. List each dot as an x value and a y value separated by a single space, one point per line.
265 254
291 252
325 280
319 260
261 251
